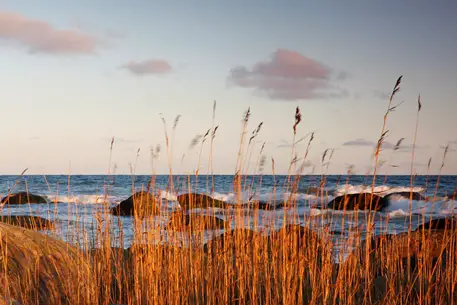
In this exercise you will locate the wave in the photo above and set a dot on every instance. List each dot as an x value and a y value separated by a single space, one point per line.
380 190
265 197
167 195
439 207
398 213
82 199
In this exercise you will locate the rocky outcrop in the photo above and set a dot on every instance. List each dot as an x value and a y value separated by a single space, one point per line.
406 195
449 223
28 222
202 201
193 222
39 269
262 205
140 204
362 201
23 198
412 261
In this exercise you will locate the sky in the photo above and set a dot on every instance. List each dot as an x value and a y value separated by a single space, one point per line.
75 74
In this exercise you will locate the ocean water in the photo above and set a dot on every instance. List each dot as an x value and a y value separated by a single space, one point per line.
76 201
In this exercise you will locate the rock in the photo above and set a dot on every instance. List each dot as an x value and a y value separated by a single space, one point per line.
29 222
379 288
202 201
23 198
228 240
193 200
439 224
262 205
193 222
111 261
140 203
39 269
362 201
296 238
416 243
406 195
8 301
430 243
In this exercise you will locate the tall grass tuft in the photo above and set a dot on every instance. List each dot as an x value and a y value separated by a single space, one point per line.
229 257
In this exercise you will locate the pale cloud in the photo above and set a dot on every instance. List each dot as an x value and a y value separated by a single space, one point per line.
289 75
150 66
41 37
449 148
385 145
359 142
287 144
381 95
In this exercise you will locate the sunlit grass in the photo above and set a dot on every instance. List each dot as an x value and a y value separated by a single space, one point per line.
185 258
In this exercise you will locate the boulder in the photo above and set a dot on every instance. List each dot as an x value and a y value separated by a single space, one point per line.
8 301
194 200
431 242
140 204
262 205
39 269
193 222
362 201
28 222
439 224
23 198
416 243
114 270
228 240
406 195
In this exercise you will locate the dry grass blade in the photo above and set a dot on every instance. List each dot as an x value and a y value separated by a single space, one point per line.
297 119
195 141
396 87
214 131
391 109
175 124
324 155
206 135
295 254
398 144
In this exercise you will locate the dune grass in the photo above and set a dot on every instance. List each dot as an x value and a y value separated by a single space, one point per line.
176 264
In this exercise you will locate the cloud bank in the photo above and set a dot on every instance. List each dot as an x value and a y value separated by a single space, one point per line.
151 66
359 142
288 75
41 37
385 145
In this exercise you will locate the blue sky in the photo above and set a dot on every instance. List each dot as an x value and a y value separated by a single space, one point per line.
75 74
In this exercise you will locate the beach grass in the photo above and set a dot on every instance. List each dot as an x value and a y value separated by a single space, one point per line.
182 262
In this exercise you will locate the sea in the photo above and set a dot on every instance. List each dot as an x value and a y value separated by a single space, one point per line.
77 201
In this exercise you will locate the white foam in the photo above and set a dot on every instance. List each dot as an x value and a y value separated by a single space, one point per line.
381 190
82 199
398 213
437 208
246 196
317 212
168 196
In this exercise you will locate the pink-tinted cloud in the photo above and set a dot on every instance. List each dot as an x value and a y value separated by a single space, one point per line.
152 66
41 37
381 95
359 142
288 75
385 145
